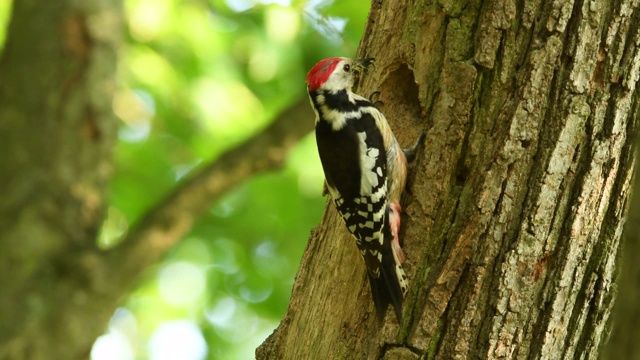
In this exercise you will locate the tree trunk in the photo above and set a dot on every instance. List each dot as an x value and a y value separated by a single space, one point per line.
57 78
513 217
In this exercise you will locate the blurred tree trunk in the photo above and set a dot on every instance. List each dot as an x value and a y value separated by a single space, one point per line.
514 214
57 133
57 77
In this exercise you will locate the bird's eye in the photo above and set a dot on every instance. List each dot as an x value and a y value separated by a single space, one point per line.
346 67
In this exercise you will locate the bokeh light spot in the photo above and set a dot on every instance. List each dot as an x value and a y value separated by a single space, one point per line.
181 283
222 312
177 340
227 108
266 258
112 346
256 293
136 109
116 344
282 24
114 228
263 66
146 18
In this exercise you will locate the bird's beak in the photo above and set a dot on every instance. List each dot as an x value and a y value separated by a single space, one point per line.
362 65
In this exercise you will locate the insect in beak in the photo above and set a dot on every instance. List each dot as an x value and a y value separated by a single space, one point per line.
362 65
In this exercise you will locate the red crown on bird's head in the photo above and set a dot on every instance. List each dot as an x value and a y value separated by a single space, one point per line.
321 71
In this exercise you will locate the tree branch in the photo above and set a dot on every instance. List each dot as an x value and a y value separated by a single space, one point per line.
163 226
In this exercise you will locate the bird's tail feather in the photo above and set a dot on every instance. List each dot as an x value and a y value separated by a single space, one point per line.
389 286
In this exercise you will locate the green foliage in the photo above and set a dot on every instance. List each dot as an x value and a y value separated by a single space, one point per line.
198 77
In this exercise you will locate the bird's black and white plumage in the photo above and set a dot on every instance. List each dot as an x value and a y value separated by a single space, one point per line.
365 171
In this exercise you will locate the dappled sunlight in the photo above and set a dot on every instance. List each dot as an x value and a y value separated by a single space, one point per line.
199 30
227 109
233 323
180 339
269 259
263 65
181 283
110 346
114 228
226 256
196 250
136 109
118 342
147 17
282 24
243 326
222 312
258 291
185 169
5 6
151 69
223 209
197 78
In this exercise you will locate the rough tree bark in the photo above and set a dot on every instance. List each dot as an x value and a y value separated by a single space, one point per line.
514 215
57 131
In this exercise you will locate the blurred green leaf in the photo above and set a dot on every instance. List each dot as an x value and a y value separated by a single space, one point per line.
196 78
214 74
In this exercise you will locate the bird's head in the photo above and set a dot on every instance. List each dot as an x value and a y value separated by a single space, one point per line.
336 73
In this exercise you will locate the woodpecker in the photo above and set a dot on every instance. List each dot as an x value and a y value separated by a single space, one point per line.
365 171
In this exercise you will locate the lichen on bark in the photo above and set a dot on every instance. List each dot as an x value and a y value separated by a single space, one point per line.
514 214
